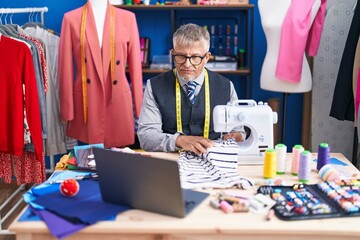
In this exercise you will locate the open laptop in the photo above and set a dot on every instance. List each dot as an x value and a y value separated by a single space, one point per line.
143 182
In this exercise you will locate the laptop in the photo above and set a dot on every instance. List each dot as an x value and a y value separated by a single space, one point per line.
144 182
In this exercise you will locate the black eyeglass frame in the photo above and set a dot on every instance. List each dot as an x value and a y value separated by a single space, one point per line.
189 57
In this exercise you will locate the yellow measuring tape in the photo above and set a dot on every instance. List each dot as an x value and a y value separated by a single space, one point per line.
82 50
112 48
207 105
83 66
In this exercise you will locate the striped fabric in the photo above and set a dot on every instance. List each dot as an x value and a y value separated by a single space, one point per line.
217 168
191 86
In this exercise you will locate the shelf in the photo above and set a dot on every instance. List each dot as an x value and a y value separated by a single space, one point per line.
245 11
235 72
186 7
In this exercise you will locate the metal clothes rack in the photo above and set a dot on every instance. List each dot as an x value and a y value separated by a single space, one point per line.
11 11
41 10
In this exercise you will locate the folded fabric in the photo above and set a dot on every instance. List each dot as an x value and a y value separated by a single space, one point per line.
218 168
29 215
58 226
86 207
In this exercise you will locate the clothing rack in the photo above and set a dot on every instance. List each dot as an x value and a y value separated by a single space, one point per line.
41 10
11 11
31 10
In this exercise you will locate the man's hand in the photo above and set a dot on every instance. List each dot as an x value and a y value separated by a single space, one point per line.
235 135
195 144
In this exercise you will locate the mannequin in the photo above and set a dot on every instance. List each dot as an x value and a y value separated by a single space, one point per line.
92 84
272 15
99 10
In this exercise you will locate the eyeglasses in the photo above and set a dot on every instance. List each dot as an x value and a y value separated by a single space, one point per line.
194 60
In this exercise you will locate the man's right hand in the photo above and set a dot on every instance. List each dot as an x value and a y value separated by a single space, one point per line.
195 144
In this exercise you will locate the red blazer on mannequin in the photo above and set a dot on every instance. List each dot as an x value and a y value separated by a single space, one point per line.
110 101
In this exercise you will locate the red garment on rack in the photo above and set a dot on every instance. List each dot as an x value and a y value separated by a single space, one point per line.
17 69
26 168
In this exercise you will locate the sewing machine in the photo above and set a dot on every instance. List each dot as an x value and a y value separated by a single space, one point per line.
259 118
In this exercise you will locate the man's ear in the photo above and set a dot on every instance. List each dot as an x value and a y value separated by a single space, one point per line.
208 56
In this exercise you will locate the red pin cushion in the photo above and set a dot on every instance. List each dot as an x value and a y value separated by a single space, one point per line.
69 187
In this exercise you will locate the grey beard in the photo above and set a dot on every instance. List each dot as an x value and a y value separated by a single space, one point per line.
188 78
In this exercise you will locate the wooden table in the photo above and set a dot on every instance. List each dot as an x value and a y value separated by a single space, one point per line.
208 223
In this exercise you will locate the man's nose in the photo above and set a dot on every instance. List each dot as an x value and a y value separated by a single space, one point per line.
187 62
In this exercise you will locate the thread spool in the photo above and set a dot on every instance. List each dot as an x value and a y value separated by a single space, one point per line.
226 207
270 163
323 155
304 166
241 58
280 158
329 173
215 203
296 150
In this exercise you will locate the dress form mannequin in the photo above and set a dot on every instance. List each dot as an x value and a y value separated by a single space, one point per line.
99 9
272 15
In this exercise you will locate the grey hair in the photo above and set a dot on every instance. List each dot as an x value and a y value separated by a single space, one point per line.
189 33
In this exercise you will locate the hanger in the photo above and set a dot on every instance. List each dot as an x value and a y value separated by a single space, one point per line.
8 30
32 23
12 27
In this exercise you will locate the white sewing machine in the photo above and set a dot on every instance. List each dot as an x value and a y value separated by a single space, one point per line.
259 118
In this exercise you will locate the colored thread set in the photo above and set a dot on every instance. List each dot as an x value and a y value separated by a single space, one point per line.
275 162
224 36
346 193
340 198
230 203
299 202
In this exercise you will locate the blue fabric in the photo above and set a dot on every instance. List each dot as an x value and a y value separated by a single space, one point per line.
63 219
29 215
335 161
58 226
86 207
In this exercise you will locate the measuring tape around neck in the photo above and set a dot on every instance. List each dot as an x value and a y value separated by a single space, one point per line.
82 50
207 105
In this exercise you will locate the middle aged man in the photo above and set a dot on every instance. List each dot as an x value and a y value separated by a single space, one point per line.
177 106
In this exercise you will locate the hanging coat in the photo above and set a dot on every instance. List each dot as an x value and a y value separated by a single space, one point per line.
110 111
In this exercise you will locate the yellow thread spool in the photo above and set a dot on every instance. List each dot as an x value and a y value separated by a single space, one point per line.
270 163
